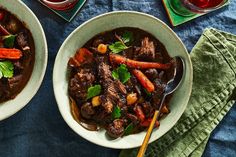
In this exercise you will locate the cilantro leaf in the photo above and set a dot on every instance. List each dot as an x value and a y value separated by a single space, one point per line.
127 37
9 41
117 47
93 91
116 113
6 69
121 73
129 129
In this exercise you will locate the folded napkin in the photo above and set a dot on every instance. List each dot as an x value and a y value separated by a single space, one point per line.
213 94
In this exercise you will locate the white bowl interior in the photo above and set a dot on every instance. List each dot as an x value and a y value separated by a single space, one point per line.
111 21
23 13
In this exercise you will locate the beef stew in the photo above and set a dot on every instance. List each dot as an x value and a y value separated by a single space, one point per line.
16 55
116 81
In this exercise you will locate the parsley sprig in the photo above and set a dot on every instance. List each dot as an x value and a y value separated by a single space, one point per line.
116 113
121 45
9 40
93 91
6 69
121 73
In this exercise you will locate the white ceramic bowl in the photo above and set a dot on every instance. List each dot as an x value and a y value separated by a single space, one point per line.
111 21
24 14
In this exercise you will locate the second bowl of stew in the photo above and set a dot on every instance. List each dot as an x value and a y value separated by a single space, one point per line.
110 74
23 56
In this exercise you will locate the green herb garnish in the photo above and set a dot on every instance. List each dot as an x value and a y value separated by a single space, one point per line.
6 69
117 47
147 93
9 41
93 91
127 37
116 113
121 44
129 129
121 73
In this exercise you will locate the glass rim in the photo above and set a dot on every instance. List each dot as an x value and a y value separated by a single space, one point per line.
192 6
58 3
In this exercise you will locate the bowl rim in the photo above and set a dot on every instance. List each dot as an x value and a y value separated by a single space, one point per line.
69 123
40 79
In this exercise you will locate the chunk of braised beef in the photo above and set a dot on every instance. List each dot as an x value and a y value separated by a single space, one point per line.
147 109
15 81
87 110
121 87
112 88
158 93
22 40
124 110
146 51
159 84
18 65
151 73
116 128
102 117
122 101
133 118
131 83
104 71
80 83
108 105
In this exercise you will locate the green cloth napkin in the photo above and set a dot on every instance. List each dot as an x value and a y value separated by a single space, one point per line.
213 94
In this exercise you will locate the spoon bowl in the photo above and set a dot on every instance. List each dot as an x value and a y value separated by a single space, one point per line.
173 84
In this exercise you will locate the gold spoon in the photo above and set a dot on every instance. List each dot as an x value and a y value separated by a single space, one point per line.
171 86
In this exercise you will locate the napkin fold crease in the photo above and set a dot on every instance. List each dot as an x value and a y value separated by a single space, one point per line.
213 94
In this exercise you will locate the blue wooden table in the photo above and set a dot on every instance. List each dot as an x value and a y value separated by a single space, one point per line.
38 130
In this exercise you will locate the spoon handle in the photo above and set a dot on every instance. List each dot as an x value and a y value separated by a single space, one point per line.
156 115
148 135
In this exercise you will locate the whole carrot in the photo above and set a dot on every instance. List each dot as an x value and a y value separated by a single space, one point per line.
138 64
145 82
6 53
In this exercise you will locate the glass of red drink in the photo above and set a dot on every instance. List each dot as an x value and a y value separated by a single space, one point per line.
60 4
192 7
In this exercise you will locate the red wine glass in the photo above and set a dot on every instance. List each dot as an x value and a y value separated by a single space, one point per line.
192 7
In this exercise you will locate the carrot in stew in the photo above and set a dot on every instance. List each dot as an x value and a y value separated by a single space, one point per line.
145 82
148 121
165 109
82 56
6 53
137 64
139 113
